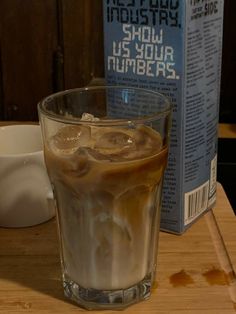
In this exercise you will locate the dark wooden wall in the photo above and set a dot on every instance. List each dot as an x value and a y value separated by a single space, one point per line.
28 37
46 46
50 45
228 90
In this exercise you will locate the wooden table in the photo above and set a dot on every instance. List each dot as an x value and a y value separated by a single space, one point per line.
195 274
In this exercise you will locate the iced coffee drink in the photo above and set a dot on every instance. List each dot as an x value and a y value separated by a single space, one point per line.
107 182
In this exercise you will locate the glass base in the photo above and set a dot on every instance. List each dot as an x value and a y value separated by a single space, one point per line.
92 299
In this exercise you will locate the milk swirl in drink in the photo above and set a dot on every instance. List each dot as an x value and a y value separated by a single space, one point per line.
107 182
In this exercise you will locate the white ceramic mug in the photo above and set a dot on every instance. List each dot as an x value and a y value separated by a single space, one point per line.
26 197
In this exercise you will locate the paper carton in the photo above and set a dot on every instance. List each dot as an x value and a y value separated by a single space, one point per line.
174 47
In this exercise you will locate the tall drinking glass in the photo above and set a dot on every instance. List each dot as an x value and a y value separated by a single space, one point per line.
106 151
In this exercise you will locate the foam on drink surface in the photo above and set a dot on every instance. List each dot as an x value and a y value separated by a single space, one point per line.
106 180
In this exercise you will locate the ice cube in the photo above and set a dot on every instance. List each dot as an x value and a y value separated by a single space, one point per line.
112 143
68 167
105 223
148 139
112 243
100 201
134 204
88 117
136 207
78 164
120 144
69 138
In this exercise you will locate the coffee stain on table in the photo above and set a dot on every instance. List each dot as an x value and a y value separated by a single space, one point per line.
181 279
216 276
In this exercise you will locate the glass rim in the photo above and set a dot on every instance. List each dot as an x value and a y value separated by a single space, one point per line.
104 122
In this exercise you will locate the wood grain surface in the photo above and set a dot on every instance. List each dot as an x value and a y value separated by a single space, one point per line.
192 269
